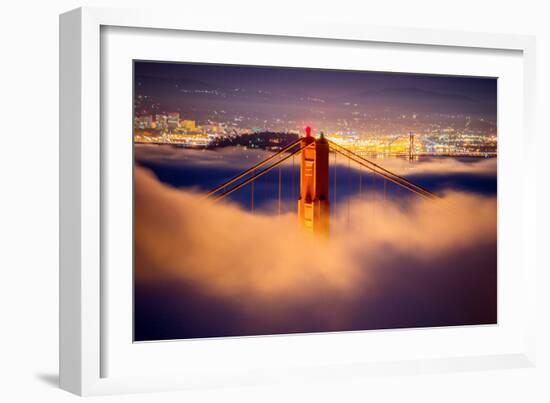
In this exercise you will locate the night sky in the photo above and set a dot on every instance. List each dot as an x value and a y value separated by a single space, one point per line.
308 94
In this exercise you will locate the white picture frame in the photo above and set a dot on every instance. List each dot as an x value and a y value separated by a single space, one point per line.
83 171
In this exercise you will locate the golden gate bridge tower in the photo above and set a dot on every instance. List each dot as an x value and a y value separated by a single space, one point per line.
313 204
313 200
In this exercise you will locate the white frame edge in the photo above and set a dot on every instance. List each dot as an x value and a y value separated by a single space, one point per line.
69 202
80 164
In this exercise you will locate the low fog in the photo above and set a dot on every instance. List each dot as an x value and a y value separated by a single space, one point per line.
240 158
208 269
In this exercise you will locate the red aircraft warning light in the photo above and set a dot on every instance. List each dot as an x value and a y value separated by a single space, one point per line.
308 131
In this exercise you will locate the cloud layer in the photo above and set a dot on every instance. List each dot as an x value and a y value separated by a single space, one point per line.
237 157
428 263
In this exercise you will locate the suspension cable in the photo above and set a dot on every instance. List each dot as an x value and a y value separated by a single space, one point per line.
292 179
349 184
252 169
406 184
381 171
259 174
252 196
279 207
374 192
360 182
334 183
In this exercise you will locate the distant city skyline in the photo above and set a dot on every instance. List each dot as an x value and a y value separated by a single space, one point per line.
282 98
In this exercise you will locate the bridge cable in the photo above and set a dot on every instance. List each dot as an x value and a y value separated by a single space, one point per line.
259 174
360 182
279 209
373 192
292 179
251 169
382 171
349 184
335 184
406 184
252 196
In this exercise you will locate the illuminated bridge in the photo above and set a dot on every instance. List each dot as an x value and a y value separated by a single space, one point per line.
315 190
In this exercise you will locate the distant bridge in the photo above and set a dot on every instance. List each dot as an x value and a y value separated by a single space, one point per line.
474 154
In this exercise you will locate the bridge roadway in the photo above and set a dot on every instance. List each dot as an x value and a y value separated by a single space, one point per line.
431 154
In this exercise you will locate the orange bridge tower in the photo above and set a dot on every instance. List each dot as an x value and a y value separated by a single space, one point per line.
313 205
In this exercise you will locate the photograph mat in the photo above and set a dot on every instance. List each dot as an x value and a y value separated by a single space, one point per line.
120 46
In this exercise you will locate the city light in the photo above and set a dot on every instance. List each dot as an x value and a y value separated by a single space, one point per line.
171 128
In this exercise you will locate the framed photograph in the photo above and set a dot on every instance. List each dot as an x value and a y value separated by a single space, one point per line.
290 201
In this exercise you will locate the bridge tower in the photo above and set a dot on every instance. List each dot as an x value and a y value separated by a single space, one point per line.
412 148
313 205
